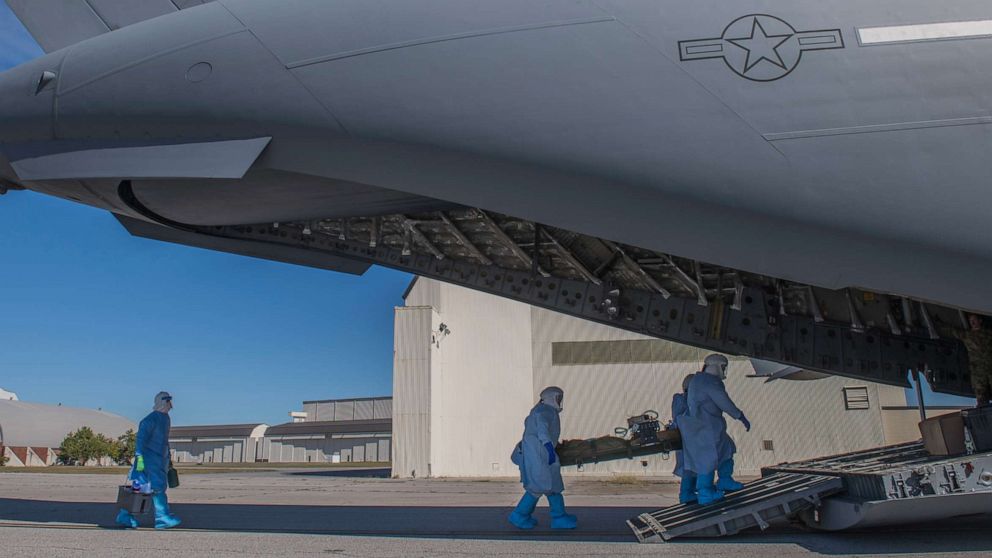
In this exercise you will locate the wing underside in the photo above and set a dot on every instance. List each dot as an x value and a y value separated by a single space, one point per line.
56 24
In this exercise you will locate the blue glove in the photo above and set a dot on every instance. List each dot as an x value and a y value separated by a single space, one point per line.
551 453
747 423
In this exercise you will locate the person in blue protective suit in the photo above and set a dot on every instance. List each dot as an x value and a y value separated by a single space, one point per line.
151 463
707 449
540 470
680 407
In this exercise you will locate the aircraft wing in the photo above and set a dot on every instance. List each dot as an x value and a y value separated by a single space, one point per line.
57 24
297 256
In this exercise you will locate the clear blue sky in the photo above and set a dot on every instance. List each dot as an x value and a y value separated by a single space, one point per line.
90 316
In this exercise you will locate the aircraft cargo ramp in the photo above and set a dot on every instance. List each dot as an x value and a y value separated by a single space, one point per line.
882 486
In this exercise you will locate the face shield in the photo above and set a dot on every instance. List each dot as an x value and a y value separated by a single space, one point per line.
553 396
163 402
716 365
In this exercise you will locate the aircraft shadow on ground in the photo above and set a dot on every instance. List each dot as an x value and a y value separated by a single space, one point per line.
597 524
380 521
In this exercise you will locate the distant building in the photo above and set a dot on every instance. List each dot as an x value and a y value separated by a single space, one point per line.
468 366
7 395
31 433
235 443
346 441
326 431
365 408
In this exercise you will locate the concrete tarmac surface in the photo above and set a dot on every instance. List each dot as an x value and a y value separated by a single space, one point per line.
338 512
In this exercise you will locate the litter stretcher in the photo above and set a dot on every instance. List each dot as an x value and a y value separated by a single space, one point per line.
643 435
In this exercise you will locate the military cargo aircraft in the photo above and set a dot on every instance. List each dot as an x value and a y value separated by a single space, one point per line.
804 182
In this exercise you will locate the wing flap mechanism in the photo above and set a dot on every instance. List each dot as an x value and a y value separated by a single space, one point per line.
213 159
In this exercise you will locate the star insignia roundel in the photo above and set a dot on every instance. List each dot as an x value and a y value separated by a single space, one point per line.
761 47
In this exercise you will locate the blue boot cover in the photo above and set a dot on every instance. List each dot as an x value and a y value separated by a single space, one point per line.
687 493
126 520
705 491
726 481
163 519
521 516
560 519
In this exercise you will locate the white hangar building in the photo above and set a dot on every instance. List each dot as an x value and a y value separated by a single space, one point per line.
468 367
226 443
350 430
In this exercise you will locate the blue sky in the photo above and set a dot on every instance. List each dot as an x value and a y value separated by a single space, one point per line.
90 316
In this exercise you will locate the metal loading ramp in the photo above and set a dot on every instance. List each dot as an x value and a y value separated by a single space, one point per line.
758 504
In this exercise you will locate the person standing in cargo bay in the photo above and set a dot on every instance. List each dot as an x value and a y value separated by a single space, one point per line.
540 469
680 407
706 446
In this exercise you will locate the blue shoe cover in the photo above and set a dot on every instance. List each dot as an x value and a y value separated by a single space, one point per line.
560 519
126 520
521 521
726 474
728 484
521 517
687 492
163 519
167 522
705 491
710 495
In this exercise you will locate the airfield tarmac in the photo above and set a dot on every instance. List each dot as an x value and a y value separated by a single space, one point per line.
314 512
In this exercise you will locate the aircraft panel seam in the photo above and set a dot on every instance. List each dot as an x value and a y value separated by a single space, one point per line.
275 57
97 14
446 38
140 61
695 80
878 128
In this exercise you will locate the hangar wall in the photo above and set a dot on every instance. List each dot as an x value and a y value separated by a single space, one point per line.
331 431
474 386
236 443
412 390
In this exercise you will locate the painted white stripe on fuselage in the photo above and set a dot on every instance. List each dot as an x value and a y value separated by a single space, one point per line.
925 32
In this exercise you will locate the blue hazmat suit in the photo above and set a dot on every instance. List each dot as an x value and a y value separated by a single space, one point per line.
151 450
152 443
705 442
679 408
542 425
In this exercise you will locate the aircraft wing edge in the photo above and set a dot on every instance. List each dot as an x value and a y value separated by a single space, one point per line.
212 159
284 254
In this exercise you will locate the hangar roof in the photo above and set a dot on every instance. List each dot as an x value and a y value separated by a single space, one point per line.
347 399
228 430
40 425
332 427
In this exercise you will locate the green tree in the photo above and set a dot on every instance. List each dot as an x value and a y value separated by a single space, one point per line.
122 449
81 446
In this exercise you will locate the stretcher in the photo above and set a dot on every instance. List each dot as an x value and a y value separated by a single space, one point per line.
643 436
